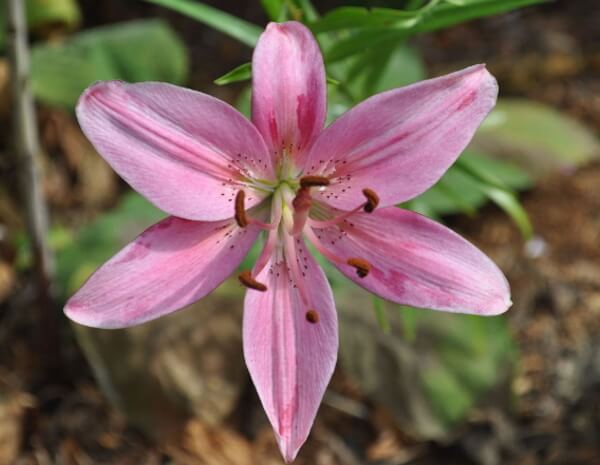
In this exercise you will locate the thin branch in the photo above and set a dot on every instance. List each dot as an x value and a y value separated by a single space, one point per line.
26 148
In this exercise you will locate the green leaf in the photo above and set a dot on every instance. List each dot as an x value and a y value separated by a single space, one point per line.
101 239
431 16
363 41
240 73
431 368
275 9
500 173
535 137
247 33
383 69
371 28
472 180
134 51
469 354
382 320
310 12
414 4
243 102
510 204
348 17
244 73
456 192
448 14
462 190
409 318
449 399
433 203
43 12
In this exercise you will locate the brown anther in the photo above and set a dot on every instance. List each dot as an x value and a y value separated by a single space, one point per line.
362 266
247 280
240 212
372 200
313 181
312 316
302 201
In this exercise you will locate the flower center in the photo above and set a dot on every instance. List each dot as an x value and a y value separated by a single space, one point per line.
291 207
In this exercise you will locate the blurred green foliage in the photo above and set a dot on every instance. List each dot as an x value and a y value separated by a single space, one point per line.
41 13
239 29
470 355
537 134
146 50
426 369
79 257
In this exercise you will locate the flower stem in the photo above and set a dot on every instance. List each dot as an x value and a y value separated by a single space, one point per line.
26 152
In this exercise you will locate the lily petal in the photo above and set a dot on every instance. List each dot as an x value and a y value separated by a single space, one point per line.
399 143
170 265
291 354
416 261
185 151
289 93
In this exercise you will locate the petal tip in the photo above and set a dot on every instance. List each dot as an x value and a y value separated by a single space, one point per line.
478 75
500 297
274 27
92 92
288 450
76 312
96 87
84 315
487 80
500 305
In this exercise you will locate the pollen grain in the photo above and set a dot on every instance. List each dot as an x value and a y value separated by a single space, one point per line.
313 181
372 200
362 266
240 212
312 316
247 280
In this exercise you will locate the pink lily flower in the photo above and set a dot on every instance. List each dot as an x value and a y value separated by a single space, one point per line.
225 180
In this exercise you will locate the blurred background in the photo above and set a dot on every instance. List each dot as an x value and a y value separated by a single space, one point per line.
411 386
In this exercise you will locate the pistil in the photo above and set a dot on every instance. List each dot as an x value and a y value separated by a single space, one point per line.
301 205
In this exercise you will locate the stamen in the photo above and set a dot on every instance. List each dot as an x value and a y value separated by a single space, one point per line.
315 240
312 316
293 261
362 266
242 219
247 280
313 181
240 212
372 200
